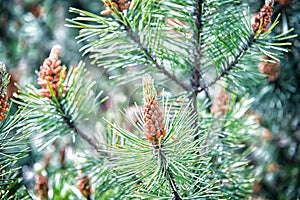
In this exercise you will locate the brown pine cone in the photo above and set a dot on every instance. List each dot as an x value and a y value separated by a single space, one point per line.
263 19
220 103
84 186
50 72
272 70
41 185
154 122
153 117
3 106
119 5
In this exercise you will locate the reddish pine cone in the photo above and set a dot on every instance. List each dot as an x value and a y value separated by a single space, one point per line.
263 19
272 70
50 71
220 103
3 106
119 5
154 122
84 186
41 185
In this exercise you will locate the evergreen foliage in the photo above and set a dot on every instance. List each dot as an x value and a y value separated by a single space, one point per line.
193 135
277 103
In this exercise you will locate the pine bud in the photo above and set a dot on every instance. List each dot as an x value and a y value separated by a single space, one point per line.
220 103
271 69
51 72
263 17
47 159
266 135
154 125
284 2
84 186
273 167
41 185
4 81
119 5
62 153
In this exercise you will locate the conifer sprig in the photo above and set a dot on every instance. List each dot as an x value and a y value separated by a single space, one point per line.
13 147
138 41
168 165
55 117
13 144
225 46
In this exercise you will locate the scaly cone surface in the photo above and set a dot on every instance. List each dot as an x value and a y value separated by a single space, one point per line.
50 73
154 125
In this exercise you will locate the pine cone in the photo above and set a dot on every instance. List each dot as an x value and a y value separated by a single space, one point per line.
41 185
119 5
263 18
272 70
220 103
154 122
153 117
3 106
50 72
84 186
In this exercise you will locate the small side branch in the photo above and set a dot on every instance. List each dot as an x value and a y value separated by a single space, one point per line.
87 138
231 65
79 132
169 175
173 185
154 60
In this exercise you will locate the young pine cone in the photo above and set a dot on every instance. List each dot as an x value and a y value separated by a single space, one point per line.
119 5
84 186
272 70
263 18
154 127
50 72
41 185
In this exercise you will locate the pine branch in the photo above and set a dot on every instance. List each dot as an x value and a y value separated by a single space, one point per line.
199 19
232 64
196 71
53 118
173 185
169 174
135 37
72 125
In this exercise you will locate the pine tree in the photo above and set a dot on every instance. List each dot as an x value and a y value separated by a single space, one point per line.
187 135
